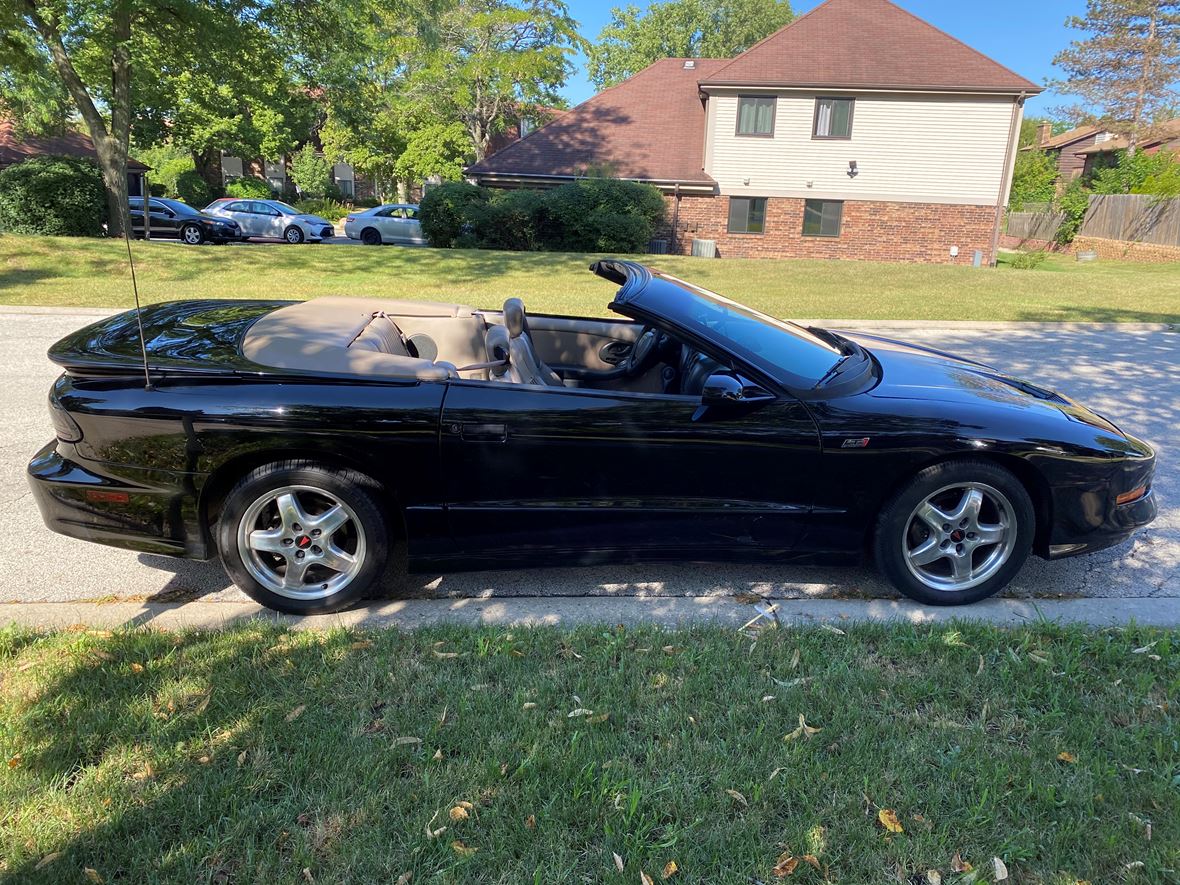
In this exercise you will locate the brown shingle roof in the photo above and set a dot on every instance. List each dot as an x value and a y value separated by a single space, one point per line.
1067 138
870 44
14 148
650 127
1166 134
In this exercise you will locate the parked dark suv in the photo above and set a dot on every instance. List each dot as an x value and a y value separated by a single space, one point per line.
174 219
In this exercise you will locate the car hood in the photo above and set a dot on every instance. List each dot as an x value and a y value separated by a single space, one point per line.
912 371
313 219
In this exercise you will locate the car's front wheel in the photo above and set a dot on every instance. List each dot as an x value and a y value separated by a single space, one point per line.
192 235
293 235
303 538
958 532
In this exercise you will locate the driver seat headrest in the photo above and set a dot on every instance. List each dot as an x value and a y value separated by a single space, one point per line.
515 319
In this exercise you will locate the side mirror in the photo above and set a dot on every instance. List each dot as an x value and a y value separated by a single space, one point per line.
724 389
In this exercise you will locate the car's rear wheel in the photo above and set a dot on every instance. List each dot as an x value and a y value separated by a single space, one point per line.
957 533
192 235
370 237
304 538
293 235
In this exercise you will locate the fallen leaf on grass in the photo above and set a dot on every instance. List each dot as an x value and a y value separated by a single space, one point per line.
136 668
15 760
458 813
462 850
144 773
672 650
791 683
1142 650
1065 756
933 877
307 876
406 741
645 879
804 730
670 870
812 860
92 875
579 712
432 833
794 665
1033 656
437 755
241 758
528 705
445 654
832 629
1000 869
47 860
767 698
739 798
785 866
530 822
1143 822
618 861
361 643
958 865
1134 865
296 713
888 819
404 879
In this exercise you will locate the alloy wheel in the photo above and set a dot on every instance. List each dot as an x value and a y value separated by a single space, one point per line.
960 536
192 235
301 542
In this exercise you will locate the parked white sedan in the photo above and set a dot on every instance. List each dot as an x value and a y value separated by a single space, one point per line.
273 219
391 223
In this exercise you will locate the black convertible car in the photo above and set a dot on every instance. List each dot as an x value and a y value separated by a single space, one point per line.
299 440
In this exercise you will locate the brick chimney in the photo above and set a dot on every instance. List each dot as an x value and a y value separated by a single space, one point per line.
1044 133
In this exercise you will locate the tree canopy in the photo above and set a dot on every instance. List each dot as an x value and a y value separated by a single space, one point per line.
635 38
1124 73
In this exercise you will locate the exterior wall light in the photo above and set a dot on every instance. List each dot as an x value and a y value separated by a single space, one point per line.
852 170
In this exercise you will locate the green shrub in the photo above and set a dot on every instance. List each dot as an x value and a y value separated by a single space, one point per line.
193 189
1073 203
55 196
157 189
447 209
311 173
511 220
170 172
580 211
1034 179
332 210
1029 260
249 187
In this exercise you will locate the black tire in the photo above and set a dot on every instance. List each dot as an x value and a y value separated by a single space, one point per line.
293 235
898 527
371 237
192 235
315 483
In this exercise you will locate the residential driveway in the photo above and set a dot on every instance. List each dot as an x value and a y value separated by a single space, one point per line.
1130 375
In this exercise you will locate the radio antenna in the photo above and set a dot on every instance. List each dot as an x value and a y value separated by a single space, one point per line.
147 378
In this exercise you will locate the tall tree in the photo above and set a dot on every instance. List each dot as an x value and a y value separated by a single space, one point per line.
635 38
1125 72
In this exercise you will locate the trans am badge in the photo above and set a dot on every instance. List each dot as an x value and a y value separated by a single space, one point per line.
856 443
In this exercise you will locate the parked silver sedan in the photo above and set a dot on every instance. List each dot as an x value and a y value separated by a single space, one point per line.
391 223
273 219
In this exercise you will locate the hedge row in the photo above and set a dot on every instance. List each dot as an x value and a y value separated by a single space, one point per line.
594 215
57 196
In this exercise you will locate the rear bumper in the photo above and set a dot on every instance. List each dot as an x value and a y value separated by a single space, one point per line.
150 511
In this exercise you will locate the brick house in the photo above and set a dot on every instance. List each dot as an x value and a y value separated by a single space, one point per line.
857 131
1166 137
15 148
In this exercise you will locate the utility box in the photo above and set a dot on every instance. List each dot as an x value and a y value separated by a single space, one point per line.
704 248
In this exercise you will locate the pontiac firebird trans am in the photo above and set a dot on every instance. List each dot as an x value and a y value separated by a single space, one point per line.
299 441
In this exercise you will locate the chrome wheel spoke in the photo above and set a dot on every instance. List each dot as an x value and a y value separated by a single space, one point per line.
927 552
337 559
961 567
296 571
934 518
329 521
291 513
268 540
968 509
990 534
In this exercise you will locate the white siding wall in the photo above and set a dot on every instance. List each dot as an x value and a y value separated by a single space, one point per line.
908 148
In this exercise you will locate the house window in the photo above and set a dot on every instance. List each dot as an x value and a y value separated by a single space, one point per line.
747 215
755 118
833 117
822 218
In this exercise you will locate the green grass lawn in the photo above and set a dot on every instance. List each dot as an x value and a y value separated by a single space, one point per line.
476 755
78 272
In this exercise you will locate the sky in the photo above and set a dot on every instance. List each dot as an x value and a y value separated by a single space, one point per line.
1023 35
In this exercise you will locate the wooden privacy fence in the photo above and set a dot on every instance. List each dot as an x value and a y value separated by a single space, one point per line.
1137 218
1034 225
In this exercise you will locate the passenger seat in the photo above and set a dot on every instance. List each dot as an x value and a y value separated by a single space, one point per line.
521 354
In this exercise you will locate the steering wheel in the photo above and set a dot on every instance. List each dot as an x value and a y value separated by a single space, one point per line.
642 352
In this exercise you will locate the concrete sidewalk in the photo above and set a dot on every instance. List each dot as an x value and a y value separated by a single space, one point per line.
568 612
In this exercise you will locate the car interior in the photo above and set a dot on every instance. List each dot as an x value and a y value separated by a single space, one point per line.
426 341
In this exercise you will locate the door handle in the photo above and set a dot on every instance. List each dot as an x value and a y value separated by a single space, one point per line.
485 432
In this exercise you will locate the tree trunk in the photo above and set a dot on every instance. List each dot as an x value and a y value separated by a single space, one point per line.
208 166
113 164
1150 53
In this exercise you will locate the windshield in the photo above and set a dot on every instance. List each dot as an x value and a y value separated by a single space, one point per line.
787 351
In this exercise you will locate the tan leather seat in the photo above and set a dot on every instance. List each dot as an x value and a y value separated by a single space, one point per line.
521 354
382 335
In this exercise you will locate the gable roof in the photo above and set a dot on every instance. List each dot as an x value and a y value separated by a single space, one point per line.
870 44
14 148
1165 134
650 127
1068 138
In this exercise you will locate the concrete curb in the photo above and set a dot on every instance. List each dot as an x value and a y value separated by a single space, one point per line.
860 325
568 612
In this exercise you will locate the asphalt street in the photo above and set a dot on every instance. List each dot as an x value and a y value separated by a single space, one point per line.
1131 375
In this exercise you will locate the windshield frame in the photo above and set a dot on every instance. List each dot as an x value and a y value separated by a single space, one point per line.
663 296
